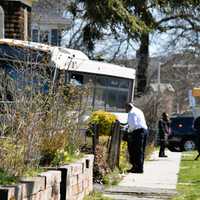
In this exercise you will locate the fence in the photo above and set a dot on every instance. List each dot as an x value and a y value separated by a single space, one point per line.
113 143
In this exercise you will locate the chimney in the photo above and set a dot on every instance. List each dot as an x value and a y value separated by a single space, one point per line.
17 19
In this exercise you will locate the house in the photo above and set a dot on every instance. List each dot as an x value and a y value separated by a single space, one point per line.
49 21
163 87
15 20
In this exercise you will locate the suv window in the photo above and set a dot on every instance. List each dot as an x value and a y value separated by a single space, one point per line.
182 125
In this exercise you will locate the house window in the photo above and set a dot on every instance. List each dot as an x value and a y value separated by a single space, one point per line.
35 33
44 37
54 36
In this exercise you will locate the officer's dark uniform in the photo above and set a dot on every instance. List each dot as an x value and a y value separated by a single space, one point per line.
136 138
136 149
197 130
163 131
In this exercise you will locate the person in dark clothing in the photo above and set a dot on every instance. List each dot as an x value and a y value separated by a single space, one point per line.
196 127
197 124
137 133
163 131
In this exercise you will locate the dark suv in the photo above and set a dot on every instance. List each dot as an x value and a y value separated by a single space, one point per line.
183 136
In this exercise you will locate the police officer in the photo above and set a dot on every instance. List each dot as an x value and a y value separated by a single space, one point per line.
196 127
137 132
163 131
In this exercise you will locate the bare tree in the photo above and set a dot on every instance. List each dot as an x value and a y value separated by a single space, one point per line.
39 117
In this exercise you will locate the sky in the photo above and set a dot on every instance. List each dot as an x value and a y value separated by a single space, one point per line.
109 46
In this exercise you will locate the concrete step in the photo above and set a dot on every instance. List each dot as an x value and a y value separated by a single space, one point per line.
138 193
128 197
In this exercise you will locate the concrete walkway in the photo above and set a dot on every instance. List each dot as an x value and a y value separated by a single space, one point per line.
157 182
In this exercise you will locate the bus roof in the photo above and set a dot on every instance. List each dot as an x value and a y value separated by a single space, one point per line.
44 47
26 44
101 68
75 60
80 63
65 53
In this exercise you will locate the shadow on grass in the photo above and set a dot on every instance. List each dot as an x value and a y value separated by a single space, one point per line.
189 160
195 182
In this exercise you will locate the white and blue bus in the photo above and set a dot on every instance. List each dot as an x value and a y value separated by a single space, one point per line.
112 85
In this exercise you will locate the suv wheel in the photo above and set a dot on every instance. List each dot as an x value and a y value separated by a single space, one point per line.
174 148
188 145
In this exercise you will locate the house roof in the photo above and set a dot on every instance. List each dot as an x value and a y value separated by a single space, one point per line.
55 21
163 87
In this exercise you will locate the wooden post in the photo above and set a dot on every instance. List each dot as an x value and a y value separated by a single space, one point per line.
114 148
95 136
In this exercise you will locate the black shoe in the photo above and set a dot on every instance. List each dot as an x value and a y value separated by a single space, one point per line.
138 172
130 170
163 156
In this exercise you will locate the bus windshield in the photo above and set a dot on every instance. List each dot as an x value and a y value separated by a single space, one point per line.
108 93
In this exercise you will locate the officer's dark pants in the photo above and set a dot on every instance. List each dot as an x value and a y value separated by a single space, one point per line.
198 139
162 147
136 148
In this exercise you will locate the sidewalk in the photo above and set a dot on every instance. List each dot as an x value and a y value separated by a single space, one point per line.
157 182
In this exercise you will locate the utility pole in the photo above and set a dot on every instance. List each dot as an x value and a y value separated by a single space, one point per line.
159 80
158 92
1 22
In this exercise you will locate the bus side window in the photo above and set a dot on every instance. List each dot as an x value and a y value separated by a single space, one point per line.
76 79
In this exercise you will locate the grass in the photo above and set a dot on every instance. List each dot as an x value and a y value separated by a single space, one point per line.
7 179
96 196
124 164
188 185
149 150
30 172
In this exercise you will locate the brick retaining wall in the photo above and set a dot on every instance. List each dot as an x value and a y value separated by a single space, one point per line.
68 182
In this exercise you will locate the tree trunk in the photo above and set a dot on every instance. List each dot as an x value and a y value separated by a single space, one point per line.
143 61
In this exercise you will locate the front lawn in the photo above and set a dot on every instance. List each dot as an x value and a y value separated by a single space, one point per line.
188 185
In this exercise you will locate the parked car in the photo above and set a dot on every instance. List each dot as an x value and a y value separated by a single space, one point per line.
183 136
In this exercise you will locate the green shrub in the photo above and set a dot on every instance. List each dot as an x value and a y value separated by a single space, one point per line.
124 164
65 157
112 178
12 154
50 145
104 120
6 179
